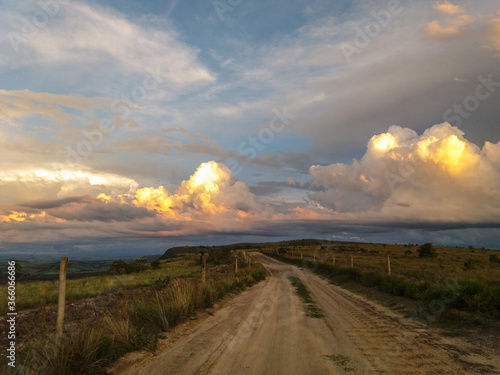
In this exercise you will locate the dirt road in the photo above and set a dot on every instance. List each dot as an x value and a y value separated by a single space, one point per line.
265 331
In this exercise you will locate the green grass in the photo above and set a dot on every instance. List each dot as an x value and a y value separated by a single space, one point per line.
310 307
34 294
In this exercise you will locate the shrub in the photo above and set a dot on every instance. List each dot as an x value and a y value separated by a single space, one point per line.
161 283
134 267
427 251
219 256
396 286
371 279
477 295
470 264
494 258
259 274
118 266
282 250
354 274
155 264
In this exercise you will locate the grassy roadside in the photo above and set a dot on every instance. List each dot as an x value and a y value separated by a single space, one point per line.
89 347
474 300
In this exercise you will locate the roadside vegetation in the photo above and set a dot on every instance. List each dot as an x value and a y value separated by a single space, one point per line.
451 284
165 295
311 309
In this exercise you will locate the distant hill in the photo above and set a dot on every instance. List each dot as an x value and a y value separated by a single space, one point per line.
42 269
181 250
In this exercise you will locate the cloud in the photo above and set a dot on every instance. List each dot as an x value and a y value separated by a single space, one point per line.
54 203
211 190
493 33
437 176
21 183
19 104
106 40
448 8
457 21
20 216
88 209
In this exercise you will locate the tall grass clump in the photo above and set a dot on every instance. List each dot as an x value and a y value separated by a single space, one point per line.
83 351
480 296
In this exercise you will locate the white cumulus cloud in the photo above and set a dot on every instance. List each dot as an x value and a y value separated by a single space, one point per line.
436 176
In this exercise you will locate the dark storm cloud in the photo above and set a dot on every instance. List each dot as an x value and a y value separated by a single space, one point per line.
47 204
101 212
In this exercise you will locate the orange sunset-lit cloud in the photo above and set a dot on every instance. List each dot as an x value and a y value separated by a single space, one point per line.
456 22
16 216
448 8
493 32
211 190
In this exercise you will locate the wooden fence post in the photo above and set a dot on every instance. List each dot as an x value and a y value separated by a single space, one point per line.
352 261
333 259
204 271
62 299
236 265
388 264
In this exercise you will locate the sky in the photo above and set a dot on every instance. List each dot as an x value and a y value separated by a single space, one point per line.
130 127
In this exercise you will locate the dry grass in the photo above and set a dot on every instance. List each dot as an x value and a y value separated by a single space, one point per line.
448 265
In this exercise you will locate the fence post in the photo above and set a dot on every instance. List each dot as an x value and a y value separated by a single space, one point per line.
204 270
333 259
62 299
301 255
352 261
388 264
236 265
